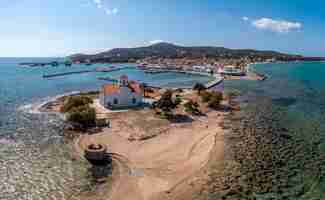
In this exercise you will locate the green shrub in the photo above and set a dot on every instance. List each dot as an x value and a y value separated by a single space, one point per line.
75 101
178 100
199 87
192 107
215 100
166 103
82 115
206 96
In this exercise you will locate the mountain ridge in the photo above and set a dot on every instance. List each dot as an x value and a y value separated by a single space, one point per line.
169 50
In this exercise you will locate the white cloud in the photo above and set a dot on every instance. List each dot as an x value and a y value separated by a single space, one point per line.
245 18
113 11
155 41
99 4
279 26
97 1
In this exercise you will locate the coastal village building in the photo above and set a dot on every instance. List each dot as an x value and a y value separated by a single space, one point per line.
125 94
231 70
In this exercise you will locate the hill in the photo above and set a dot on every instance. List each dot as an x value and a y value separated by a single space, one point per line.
167 50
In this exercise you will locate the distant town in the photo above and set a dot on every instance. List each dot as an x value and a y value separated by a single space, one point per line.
166 56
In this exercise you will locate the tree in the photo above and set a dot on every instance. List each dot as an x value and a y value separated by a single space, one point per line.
178 100
75 101
192 107
199 87
206 96
215 100
166 103
82 115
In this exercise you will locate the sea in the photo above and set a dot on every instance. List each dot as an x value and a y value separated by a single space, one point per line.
293 98
35 161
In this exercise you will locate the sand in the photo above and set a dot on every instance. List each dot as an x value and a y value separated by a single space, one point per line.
170 165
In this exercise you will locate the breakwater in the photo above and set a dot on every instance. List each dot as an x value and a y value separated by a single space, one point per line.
158 71
109 69
217 79
67 73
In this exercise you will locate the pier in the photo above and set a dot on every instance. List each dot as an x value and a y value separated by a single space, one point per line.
217 78
43 64
108 79
214 83
158 71
67 73
104 70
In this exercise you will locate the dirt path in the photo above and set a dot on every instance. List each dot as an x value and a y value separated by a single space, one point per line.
162 167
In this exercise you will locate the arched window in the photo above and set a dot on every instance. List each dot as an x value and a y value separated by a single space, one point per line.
115 101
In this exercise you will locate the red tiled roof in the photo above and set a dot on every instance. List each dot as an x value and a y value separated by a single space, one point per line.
113 88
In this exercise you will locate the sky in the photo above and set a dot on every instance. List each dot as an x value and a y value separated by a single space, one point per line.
46 28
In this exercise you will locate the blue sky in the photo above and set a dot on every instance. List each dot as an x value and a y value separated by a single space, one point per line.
62 27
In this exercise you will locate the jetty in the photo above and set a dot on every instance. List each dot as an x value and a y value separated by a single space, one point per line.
214 83
67 73
102 69
42 64
158 71
107 79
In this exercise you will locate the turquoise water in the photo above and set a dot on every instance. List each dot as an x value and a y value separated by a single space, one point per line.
300 86
298 89
25 85
34 161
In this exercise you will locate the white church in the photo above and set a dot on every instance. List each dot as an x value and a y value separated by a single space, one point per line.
125 94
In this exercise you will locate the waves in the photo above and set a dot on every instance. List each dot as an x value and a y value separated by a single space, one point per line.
34 108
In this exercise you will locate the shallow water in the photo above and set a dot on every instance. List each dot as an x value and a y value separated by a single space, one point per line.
35 163
298 89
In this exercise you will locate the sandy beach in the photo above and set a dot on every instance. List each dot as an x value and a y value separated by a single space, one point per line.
167 166
154 158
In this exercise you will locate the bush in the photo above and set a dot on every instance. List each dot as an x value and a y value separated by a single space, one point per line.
82 115
192 107
178 100
215 100
166 103
212 98
74 102
206 96
199 87
179 90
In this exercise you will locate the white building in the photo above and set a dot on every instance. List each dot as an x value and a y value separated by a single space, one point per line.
231 70
122 95
199 68
204 69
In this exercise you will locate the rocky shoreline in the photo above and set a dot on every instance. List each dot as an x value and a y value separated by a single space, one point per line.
55 103
263 159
